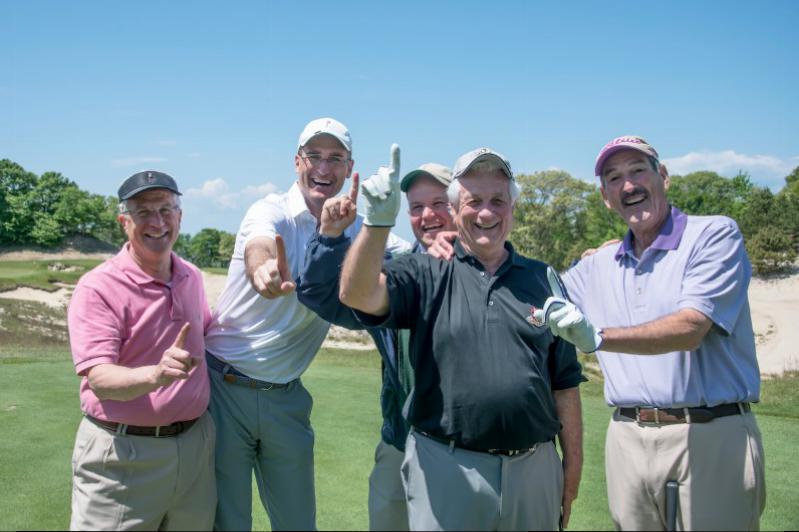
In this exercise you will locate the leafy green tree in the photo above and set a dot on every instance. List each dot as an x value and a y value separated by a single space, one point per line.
227 241
550 217
16 216
708 193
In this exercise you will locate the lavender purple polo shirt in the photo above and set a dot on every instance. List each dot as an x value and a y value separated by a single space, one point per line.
120 315
696 262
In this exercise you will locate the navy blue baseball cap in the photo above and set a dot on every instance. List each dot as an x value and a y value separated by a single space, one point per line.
145 181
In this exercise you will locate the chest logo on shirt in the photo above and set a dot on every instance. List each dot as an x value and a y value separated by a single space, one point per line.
532 320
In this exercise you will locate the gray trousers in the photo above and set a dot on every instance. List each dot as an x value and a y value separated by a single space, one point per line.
268 431
455 489
388 509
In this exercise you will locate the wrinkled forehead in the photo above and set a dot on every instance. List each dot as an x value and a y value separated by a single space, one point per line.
485 183
624 158
155 196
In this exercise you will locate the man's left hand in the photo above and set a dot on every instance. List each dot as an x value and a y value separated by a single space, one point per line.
442 247
381 193
566 320
570 487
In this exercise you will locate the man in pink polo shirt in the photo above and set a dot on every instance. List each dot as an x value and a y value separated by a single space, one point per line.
143 455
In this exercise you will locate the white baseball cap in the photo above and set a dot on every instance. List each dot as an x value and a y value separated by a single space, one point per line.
326 126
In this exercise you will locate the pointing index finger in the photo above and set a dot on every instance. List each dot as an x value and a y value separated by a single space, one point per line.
395 161
354 188
554 283
180 341
282 262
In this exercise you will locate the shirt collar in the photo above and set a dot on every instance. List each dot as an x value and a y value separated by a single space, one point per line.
128 266
668 238
513 258
295 201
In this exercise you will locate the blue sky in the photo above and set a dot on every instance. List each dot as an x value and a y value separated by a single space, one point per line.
216 93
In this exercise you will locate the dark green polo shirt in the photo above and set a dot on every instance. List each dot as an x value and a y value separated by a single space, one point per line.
484 374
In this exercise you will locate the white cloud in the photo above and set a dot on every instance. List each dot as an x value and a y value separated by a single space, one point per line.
728 162
218 192
137 161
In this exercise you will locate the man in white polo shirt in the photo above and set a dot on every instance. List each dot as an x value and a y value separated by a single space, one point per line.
262 340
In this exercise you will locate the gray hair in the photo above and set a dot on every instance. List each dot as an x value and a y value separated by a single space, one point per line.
454 188
124 205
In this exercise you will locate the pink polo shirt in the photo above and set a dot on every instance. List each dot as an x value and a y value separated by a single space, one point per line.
120 315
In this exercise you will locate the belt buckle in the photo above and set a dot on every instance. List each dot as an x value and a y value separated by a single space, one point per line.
267 388
638 416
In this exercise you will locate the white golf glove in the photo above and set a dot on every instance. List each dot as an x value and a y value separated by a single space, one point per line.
381 193
566 320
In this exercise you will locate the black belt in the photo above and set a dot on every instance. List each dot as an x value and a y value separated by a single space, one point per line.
232 376
163 431
701 414
501 452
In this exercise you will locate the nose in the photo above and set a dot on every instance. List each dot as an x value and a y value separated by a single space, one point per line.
428 213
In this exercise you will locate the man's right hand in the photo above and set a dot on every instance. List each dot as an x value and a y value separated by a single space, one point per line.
338 213
176 362
273 278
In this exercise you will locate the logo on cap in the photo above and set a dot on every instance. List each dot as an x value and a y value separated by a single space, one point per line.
150 178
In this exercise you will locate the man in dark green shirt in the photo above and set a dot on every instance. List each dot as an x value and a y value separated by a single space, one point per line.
492 391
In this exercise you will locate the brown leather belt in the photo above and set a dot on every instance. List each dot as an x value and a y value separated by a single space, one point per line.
702 414
164 431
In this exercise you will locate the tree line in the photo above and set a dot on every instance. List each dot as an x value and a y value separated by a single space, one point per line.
44 210
556 217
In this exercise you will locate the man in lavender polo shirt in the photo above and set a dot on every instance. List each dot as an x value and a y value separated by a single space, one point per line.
144 451
676 346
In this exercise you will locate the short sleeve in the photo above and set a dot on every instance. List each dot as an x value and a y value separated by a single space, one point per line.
404 293
262 219
717 275
95 331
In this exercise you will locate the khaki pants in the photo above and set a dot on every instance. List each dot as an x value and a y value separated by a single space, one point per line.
718 465
388 509
456 489
123 482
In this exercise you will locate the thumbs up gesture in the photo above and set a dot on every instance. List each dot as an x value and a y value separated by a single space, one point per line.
381 193
566 320
273 278
338 213
176 362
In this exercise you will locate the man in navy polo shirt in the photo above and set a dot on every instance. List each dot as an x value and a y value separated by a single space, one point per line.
318 287
676 346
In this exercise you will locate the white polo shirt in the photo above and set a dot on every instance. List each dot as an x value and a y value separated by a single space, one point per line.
272 340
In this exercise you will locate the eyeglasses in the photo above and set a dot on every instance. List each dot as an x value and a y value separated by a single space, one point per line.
314 159
166 212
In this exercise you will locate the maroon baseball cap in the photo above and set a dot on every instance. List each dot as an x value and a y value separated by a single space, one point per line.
628 142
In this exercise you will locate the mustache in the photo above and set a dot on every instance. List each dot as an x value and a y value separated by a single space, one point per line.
637 190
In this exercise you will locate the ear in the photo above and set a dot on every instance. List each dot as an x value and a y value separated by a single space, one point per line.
297 163
664 173
604 197
122 219
350 166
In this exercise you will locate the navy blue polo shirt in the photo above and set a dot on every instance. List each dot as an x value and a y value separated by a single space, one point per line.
484 375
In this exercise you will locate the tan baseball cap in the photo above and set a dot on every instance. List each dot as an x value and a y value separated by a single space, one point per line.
439 172
628 142
467 160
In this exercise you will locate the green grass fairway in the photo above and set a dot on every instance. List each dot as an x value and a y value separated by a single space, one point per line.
37 273
39 413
